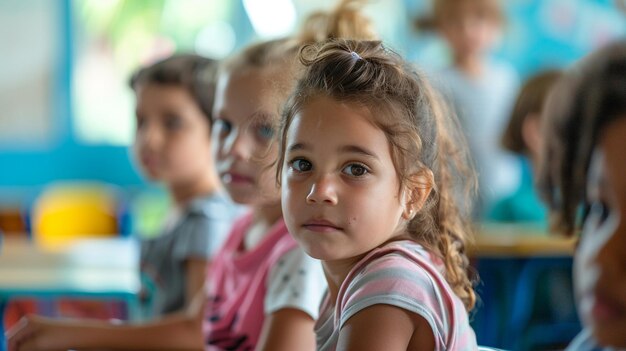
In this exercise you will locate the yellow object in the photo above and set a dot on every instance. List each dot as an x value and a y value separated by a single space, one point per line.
68 211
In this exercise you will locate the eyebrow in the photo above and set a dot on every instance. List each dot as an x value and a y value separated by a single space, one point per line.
353 149
298 146
262 116
257 116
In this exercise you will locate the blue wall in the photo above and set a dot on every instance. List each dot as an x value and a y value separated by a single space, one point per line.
538 34
25 169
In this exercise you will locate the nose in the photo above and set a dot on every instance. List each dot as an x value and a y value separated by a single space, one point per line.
236 145
150 136
323 191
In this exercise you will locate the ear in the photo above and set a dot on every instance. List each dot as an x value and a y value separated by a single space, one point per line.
417 191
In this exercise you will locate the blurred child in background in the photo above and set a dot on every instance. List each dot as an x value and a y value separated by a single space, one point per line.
369 163
173 146
265 291
481 88
174 100
523 137
584 164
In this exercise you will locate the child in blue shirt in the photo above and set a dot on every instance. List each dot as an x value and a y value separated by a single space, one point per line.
523 137
481 88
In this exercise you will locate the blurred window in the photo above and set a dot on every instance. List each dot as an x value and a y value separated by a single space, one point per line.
115 37
29 73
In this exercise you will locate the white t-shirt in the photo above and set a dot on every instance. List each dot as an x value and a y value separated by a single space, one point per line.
297 281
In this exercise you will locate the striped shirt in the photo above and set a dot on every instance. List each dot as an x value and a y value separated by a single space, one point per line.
401 274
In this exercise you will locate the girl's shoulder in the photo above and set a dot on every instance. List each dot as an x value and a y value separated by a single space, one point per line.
401 268
406 275
404 254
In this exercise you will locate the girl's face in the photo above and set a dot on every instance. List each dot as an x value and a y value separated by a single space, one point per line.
339 185
244 109
173 136
600 263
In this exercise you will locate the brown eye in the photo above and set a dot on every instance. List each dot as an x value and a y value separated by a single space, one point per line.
355 170
173 122
300 165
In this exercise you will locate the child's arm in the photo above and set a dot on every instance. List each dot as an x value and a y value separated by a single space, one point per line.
182 331
38 333
287 329
385 327
195 274
294 291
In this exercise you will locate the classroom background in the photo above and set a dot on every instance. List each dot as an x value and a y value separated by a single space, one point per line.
67 110
67 114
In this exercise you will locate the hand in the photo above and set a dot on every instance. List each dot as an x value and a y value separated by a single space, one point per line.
34 333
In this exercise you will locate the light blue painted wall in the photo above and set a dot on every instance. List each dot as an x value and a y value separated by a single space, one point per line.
24 170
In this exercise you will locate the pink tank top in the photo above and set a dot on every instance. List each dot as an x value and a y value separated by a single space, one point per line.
237 288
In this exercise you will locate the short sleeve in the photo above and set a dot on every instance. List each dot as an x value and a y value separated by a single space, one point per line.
396 281
199 236
296 281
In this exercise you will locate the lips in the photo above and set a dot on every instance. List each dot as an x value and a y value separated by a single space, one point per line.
321 226
236 178
149 161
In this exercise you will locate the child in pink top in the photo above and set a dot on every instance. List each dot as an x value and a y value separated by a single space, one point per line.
248 286
368 163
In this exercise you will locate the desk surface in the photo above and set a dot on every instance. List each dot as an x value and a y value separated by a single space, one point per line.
91 267
98 266
514 240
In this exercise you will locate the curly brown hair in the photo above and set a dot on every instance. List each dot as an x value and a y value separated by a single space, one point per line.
423 136
583 102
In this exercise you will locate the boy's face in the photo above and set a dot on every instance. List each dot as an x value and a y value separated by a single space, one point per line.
470 29
244 109
173 137
600 263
